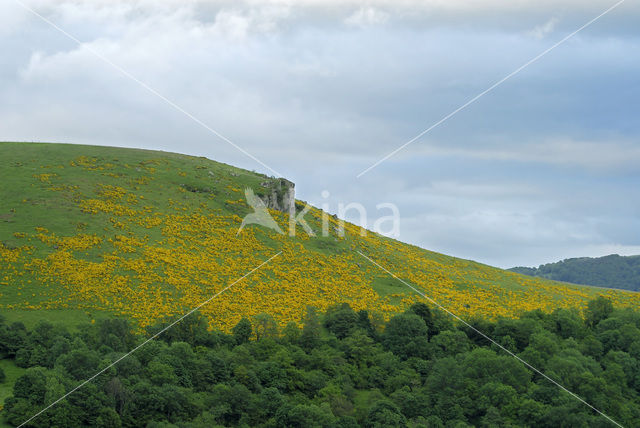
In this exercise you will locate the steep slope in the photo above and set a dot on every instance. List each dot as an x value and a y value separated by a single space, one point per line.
88 230
611 271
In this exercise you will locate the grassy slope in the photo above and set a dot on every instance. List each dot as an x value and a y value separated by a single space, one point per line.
90 231
12 373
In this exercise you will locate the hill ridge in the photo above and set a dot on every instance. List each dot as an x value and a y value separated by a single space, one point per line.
147 235
610 271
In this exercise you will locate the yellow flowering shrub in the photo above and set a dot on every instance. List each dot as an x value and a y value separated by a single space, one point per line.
165 257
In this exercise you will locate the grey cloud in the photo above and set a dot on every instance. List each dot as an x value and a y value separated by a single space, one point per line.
542 168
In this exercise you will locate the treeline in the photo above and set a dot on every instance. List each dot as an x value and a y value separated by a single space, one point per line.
612 271
341 369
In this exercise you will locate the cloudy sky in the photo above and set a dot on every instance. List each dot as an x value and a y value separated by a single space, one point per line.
545 166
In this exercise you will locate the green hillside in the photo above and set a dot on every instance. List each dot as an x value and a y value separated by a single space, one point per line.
611 271
88 232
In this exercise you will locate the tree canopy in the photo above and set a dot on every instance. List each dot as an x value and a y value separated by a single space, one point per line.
338 370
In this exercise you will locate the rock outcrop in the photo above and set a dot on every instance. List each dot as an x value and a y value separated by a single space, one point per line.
279 194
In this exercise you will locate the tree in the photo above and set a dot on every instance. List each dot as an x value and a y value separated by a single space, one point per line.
266 326
404 375
433 422
116 334
32 385
406 336
234 401
484 365
359 348
423 311
17 410
340 320
518 330
385 414
193 330
80 363
410 403
598 310
290 333
176 403
267 404
108 418
449 343
144 405
160 373
364 322
568 323
242 331
310 337
12 338
542 347
301 415
117 393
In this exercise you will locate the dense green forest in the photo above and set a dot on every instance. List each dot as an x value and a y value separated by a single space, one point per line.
612 271
340 369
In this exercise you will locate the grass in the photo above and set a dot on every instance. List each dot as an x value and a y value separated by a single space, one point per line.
12 373
89 232
387 286
26 202
98 231
66 317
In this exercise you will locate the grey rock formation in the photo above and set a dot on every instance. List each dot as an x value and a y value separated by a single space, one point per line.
279 194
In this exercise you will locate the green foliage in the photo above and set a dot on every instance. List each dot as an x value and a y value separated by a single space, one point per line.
611 271
80 202
310 337
340 320
80 363
385 414
242 331
265 326
406 336
337 372
598 310
303 415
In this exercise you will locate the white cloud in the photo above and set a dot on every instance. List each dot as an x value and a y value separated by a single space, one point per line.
541 31
366 17
293 84
559 151
12 17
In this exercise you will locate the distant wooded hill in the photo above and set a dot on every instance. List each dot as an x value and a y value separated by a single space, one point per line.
611 271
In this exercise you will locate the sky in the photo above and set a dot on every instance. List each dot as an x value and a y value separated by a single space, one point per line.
543 167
